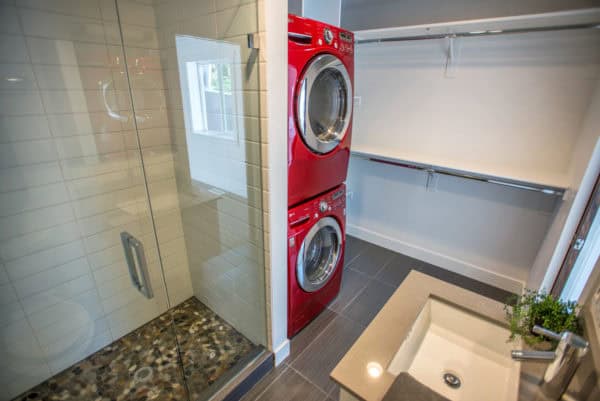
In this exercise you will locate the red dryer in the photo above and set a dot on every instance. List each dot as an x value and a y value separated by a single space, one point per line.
320 97
316 240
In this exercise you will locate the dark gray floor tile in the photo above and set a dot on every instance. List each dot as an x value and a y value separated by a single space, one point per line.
352 284
335 393
303 339
323 354
397 269
354 247
265 382
371 260
368 303
291 386
465 282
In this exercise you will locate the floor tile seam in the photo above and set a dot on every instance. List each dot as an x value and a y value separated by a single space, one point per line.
272 382
358 271
314 339
379 280
380 269
349 262
368 280
333 390
310 381
358 254
358 293
386 264
357 323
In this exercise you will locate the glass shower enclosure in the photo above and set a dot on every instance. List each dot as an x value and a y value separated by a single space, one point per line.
131 222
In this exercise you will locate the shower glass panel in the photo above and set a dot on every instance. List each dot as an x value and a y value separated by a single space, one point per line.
71 181
131 242
195 94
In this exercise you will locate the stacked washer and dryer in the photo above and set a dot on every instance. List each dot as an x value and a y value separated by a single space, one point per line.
320 95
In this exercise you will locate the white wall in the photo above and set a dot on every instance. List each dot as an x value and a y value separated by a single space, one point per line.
584 171
369 14
481 230
295 6
328 11
513 103
275 52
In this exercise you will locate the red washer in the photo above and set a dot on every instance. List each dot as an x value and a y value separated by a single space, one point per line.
320 97
316 240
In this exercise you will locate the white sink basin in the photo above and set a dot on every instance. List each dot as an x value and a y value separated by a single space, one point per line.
448 339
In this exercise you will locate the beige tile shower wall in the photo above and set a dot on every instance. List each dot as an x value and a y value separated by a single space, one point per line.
70 182
264 141
223 230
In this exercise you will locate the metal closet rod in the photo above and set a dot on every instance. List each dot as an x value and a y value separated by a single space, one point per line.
432 170
475 33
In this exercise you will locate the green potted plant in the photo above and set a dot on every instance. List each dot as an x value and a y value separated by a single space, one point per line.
538 308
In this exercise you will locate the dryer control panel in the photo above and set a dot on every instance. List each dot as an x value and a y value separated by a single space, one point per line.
306 32
332 203
346 42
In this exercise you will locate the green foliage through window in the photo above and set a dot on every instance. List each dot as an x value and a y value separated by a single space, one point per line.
218 78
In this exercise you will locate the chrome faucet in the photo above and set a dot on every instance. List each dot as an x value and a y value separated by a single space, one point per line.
563 361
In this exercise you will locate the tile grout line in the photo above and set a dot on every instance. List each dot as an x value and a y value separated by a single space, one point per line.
358 293
318 336
272 382
314 339
309 381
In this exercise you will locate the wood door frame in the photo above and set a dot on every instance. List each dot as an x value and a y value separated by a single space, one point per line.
591 209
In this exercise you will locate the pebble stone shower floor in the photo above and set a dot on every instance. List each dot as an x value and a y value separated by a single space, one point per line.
144 364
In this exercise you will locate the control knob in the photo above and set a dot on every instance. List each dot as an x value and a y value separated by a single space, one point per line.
328 36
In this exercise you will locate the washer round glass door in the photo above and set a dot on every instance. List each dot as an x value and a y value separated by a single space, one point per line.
319 254
324 105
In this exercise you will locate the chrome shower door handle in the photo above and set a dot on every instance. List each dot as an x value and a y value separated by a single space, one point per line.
145 287
125 236
138 272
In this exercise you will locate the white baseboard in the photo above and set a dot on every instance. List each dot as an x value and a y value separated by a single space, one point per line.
281 352
447 262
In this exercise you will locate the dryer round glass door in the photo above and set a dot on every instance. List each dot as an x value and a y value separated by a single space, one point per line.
319 254
324 103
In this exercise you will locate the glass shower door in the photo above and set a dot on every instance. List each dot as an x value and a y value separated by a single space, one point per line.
82 297
195 91
131 238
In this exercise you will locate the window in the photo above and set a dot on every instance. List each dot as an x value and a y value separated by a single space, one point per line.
211 99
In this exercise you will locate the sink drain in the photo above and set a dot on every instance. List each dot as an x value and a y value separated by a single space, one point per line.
143 374
452 380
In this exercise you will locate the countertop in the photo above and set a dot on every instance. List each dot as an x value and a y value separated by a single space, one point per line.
382 338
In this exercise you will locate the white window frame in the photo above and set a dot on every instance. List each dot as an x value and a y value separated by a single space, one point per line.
197 93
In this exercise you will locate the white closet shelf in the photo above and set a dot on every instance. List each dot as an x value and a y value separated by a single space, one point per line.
487 25
552 183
